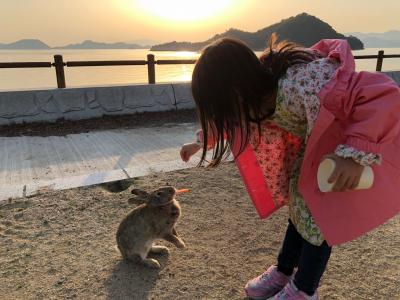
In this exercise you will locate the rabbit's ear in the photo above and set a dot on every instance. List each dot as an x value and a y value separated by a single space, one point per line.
137 200
142 197
140 193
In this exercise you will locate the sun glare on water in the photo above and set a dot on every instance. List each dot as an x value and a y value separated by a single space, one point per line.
184 10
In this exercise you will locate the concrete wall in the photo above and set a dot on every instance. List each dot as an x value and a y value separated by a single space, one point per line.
91 102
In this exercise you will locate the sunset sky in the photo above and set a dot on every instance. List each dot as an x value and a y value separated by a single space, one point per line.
59 22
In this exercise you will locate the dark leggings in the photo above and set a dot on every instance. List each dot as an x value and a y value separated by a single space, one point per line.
311 260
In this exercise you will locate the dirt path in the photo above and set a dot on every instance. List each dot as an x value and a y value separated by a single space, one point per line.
64 127
60 246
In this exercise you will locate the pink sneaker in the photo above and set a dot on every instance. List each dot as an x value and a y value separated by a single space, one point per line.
291 292
267 284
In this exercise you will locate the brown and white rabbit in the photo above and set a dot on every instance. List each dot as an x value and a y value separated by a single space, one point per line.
155 219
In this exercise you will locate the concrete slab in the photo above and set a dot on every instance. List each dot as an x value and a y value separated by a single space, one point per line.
29 165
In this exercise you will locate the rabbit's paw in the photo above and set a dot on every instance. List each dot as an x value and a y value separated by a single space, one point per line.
176 240
152 263
159 249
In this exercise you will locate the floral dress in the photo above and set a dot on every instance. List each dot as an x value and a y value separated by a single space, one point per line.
297 108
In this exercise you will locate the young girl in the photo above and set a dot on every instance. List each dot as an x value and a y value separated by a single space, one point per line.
280 115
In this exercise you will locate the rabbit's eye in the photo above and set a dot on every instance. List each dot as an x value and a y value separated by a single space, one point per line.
158 194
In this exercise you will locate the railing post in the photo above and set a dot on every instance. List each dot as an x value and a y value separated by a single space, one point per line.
59 65
151 68
379 62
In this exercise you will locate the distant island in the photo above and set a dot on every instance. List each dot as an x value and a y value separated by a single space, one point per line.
28 44
389 39
303 29
34 44
88 44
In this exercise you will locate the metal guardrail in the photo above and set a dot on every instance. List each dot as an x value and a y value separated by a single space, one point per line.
59 64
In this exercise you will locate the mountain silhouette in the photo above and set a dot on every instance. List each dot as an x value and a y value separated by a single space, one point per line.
34 44
88 44
302 29
29 44
385 39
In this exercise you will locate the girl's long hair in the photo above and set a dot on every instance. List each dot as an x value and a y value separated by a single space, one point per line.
233 88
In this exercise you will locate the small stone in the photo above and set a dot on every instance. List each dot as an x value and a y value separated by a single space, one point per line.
7 223
22 246
18 215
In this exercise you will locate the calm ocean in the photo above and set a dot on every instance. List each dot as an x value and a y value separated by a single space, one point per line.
22 79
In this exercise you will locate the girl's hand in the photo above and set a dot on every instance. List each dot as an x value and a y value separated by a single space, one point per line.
188 150
346 175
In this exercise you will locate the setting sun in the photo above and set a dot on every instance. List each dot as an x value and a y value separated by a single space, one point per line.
184 10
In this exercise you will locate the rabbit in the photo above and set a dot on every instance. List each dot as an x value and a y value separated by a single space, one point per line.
154 219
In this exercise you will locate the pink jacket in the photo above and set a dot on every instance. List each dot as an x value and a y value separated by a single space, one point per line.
358 109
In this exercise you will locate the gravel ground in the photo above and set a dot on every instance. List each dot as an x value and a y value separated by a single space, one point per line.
60 245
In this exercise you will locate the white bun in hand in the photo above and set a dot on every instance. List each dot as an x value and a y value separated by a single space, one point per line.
327 167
